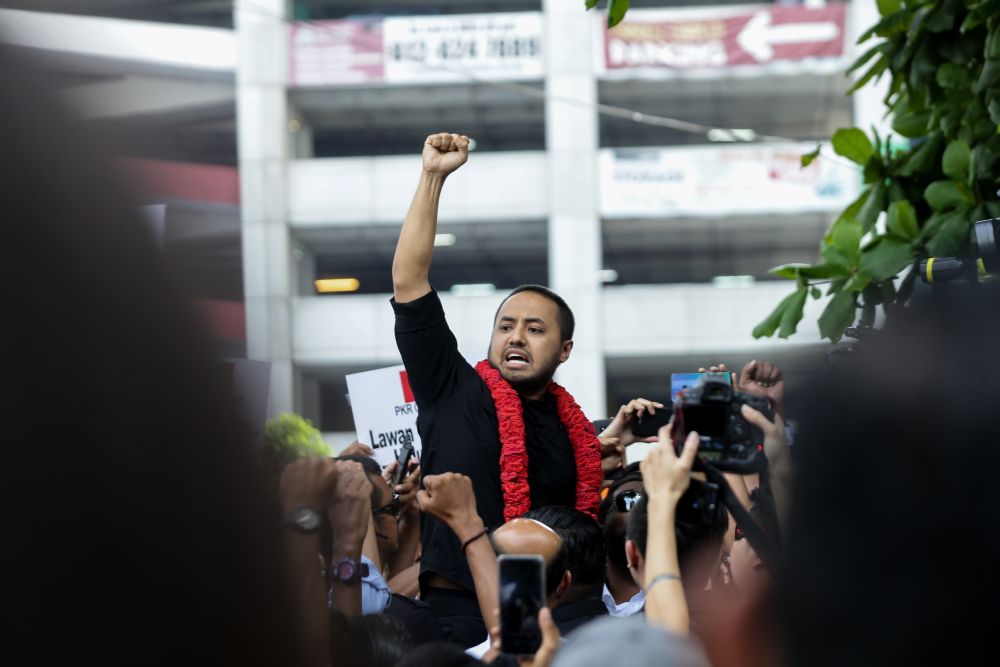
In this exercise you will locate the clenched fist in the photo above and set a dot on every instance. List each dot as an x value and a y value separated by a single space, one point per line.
449 498
444 153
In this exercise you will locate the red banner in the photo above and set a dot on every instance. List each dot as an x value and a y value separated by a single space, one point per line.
743 36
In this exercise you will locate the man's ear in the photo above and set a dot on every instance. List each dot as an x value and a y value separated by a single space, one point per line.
563 586
632 554
567 347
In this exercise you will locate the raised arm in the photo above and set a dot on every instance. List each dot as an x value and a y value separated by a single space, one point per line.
449 498
443 154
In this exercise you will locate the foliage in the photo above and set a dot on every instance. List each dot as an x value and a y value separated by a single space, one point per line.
292 437
921 198
616 10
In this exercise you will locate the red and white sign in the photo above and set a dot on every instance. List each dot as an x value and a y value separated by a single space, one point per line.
417 49
341 52
385 413
720 37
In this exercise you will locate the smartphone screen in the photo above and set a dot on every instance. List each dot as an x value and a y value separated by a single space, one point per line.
679 381
403 460
522 596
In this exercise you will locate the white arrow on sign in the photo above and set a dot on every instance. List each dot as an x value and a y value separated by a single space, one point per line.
758 35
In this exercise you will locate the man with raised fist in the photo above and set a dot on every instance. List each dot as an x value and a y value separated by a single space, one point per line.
521 438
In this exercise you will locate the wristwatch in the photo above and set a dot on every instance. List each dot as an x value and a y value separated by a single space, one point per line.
304 520
347 571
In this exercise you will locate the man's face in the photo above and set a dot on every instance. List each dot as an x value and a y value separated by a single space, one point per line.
526 345
386 525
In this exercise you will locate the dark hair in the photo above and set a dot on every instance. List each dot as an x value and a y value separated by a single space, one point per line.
765 514
613 523
371 467
389 637
567 323
692 537
439 654
583 541
175 543
553 570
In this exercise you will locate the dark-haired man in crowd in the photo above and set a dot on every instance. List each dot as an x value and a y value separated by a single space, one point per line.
622 595
503 414
699 535
586 560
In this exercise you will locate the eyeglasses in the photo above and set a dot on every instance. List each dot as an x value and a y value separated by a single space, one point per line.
626 500
392 508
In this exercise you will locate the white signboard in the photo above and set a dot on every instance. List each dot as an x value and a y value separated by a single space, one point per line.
460 47
721 180
385 414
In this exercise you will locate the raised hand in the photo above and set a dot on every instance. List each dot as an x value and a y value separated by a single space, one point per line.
444 153
449 498
621 426
763 378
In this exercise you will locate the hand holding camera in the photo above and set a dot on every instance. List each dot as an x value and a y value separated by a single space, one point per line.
666 475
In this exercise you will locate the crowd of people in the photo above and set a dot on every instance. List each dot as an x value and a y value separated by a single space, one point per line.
140 528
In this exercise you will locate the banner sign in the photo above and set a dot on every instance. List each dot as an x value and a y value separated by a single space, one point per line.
718 180
336 52
385 413
418 49
719 37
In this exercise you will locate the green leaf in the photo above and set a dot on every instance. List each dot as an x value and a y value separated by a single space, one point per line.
808 158
817 271
793 312
911 124
815 293
771 322
925 157
616 11
833 257
888 26
886 258
951 75
952 235
881 47
923 67
857 282
902 220
955 162
944 195
846 238
876 70
989 77
875 204
887 7
943 19
837 316
993 43
590 4
853 144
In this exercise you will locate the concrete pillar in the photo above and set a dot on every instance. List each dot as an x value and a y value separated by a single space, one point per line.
262 121
574 225
869 108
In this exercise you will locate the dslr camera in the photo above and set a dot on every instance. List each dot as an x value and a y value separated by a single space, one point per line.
728 441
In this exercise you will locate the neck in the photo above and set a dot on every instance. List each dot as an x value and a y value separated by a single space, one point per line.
533 394
622 586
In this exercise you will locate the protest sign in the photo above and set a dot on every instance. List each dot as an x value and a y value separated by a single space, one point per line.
385 413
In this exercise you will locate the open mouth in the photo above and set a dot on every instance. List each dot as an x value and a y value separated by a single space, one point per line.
516 359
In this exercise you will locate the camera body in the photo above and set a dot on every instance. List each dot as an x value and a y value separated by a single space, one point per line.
728 441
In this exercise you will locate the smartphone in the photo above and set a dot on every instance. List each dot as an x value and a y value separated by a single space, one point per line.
403 459
681 381
649 425
522 596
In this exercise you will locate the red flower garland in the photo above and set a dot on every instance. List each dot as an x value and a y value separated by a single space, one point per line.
514 454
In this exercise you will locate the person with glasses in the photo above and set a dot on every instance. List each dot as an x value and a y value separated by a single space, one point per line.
382 541
621 595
